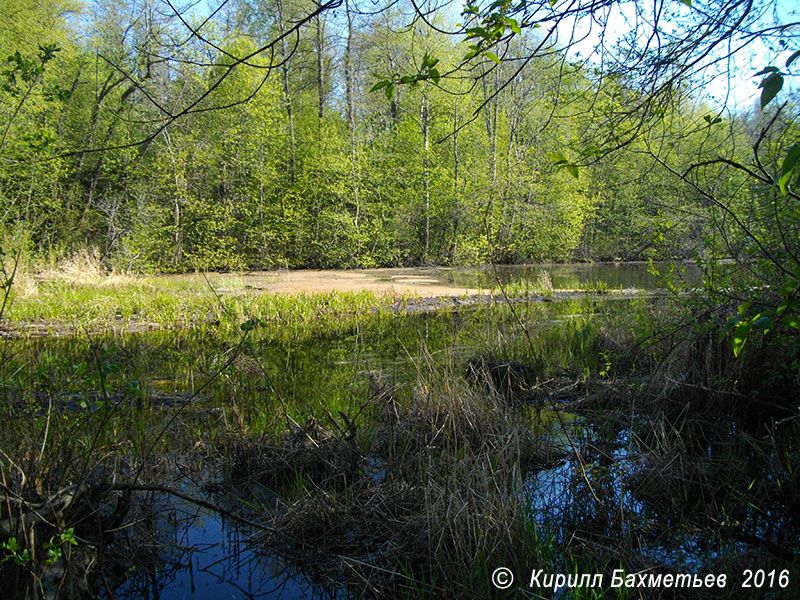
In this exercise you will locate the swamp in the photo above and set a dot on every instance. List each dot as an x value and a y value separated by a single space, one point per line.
351 444
394 300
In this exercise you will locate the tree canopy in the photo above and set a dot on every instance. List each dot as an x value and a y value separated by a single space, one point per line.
249 134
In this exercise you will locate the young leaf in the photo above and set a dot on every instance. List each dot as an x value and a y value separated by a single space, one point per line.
783 182
740 334
788 167
743 307
792 158
771 86
493 56
557 157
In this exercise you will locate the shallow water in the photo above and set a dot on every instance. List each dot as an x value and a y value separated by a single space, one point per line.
194 553
307 371
561 275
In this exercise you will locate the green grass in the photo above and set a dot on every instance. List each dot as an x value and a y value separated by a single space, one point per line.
178 302
457 452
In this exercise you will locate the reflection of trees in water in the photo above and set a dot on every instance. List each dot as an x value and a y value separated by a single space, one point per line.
173 548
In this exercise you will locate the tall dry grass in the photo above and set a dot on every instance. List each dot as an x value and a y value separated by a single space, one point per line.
434 505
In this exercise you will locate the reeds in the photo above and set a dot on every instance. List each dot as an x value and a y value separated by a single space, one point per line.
426 503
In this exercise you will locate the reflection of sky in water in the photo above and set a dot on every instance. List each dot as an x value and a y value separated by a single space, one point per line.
559 495
204 557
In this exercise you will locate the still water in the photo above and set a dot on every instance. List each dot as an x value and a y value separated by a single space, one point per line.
191 552
564 275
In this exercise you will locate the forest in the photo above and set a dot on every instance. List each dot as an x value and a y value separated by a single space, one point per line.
290 160
399 299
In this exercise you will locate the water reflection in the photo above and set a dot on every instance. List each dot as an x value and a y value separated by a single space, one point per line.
183 551
562 276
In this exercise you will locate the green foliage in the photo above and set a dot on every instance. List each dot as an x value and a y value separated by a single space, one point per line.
251 177
55 545
12 551
771 311
27 69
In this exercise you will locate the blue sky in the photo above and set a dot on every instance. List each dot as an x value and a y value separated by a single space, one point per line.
733 85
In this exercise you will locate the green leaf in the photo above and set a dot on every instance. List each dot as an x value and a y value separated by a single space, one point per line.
592 150
687 3
512 23
729 325
69 536
783 182
493 56
792 58
390 92
789 164
478 32
250 324
792 158
379 85
434 76
771 86
743 307
740 334
557 157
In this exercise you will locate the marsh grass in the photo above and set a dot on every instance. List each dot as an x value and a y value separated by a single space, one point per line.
444 497
404 479
63 307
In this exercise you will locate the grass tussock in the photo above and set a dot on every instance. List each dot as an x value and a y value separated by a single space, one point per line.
435 493
303 455
83 268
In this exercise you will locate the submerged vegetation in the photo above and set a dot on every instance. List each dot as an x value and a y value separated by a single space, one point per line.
398 454
565 425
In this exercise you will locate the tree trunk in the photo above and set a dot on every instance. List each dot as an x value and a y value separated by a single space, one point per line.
425 118
287 99
351 121
320 47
